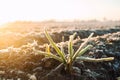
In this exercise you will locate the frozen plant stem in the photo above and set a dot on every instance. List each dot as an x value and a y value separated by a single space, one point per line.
87 59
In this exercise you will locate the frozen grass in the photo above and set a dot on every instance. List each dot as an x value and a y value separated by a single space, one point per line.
72 56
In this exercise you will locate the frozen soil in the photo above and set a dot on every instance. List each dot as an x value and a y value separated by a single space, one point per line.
18 39
23 63
19 60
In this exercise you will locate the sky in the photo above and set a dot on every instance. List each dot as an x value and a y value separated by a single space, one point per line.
39 10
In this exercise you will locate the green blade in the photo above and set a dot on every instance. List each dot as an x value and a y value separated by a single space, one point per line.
87 59
50 55
82 51
55 47
70 48
70 45
82 46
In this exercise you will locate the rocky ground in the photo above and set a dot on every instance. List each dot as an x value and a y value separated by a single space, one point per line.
19 60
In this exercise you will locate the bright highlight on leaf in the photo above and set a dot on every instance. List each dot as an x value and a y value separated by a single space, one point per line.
47 48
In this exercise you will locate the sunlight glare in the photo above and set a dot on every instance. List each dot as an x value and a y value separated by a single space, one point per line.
37 10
